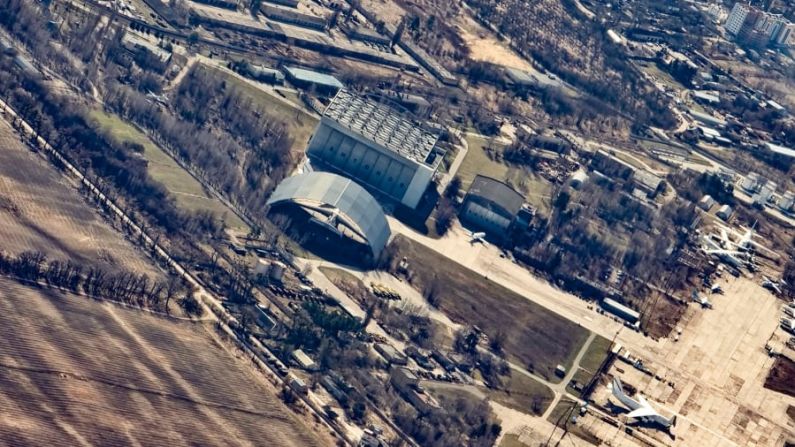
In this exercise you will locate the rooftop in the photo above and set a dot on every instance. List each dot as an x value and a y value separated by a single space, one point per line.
781 150
383 125
313 76
497 192
706 96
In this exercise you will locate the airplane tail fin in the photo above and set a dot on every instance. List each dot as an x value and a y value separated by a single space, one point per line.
673 421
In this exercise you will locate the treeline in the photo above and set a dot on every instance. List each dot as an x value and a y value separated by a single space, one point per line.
24 20
459 421
235 145
580 53
117 167
124 287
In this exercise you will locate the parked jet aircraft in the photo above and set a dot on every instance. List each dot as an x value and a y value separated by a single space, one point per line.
744 241
701 299
160 99
730 257
771 285
640 409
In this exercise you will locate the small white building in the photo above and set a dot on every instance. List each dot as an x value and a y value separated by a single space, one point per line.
706 202
303 360
725 212
752 182
578 178
706 97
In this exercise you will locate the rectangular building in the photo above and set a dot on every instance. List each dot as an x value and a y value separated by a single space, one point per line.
741 19
378 146
294 17
307 79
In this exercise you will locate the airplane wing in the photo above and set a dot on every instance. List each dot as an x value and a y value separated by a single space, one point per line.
724 252
645 409
759 245
642 412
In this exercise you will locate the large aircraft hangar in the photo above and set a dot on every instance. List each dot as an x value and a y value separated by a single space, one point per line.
341 205
377 145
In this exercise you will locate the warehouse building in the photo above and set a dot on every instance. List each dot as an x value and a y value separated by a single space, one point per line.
378 146
492 206
294 17
620 310
321 82
343 206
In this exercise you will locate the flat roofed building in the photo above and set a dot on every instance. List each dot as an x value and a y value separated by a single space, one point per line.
377 145
620 310
780 150
303 360
725 212
304 78
294 17
709 120
491 205
737 18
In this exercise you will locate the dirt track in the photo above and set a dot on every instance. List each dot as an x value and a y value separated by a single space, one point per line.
79 372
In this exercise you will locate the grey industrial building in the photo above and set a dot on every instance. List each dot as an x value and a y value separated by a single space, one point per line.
322 83
620 310
377 145
344 204
492 206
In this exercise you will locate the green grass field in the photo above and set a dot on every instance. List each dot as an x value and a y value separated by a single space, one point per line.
478 162
187 191
591 361
561 415
339 276
523 393
595 354
511 440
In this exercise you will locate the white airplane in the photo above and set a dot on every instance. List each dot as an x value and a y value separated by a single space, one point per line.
771 285
730 257
479 237
161 99
745 241
701 300
640 409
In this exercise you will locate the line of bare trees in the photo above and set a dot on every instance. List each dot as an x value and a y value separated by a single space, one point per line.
121 286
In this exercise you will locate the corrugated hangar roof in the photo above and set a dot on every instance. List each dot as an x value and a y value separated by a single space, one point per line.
383 125
353 202
497 192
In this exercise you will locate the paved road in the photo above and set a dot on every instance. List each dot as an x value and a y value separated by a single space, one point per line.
560 388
